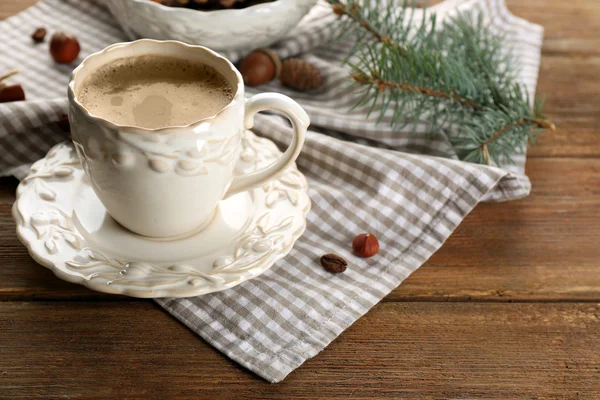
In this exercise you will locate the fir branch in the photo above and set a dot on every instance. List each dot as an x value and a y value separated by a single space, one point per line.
353 12
382 84
455 75
537 122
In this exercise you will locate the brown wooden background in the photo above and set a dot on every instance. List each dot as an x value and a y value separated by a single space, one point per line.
508 308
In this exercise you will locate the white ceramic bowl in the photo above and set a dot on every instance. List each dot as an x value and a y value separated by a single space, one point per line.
240 29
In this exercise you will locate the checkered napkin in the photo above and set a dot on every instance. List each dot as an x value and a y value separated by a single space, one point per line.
363 177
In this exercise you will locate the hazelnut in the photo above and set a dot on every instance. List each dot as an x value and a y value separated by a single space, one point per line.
64 48
365 245
38 35
260 67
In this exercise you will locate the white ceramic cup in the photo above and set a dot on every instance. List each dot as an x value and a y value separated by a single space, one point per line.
165 183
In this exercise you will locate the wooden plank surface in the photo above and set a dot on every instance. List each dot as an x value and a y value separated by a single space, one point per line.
415 350
568 74
10 7
508 308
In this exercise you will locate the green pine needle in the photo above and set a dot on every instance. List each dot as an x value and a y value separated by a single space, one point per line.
455 76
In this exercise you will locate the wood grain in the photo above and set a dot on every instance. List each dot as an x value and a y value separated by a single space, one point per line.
10 7
542 248
417 350
570 27
572 88
568 74
481 319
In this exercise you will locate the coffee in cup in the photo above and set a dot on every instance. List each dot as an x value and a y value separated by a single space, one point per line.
155 92
158 127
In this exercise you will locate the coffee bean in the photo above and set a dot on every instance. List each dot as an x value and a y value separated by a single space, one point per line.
333 263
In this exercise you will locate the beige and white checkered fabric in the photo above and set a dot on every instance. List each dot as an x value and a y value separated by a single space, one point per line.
362 176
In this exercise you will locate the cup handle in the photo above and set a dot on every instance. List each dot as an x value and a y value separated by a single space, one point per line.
300 122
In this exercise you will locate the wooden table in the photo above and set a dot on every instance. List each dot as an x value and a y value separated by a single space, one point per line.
508 308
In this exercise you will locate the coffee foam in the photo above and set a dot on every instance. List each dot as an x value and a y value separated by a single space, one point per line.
155 92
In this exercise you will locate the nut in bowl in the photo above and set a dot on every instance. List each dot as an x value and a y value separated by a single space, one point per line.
229 29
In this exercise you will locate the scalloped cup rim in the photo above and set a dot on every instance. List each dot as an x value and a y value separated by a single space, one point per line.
135 129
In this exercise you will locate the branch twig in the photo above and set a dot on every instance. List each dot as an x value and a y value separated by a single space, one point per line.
539 122
383 84
488 94
353 13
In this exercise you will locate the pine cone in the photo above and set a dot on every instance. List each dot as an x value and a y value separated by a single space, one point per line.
300 75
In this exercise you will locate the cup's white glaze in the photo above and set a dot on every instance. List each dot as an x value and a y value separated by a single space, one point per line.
168 182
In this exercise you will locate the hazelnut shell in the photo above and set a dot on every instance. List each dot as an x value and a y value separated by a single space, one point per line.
260 66
64 48
365 245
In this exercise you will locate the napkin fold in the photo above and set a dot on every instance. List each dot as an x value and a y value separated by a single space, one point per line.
405 187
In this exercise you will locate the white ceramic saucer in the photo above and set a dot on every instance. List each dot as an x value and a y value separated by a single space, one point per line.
66 229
